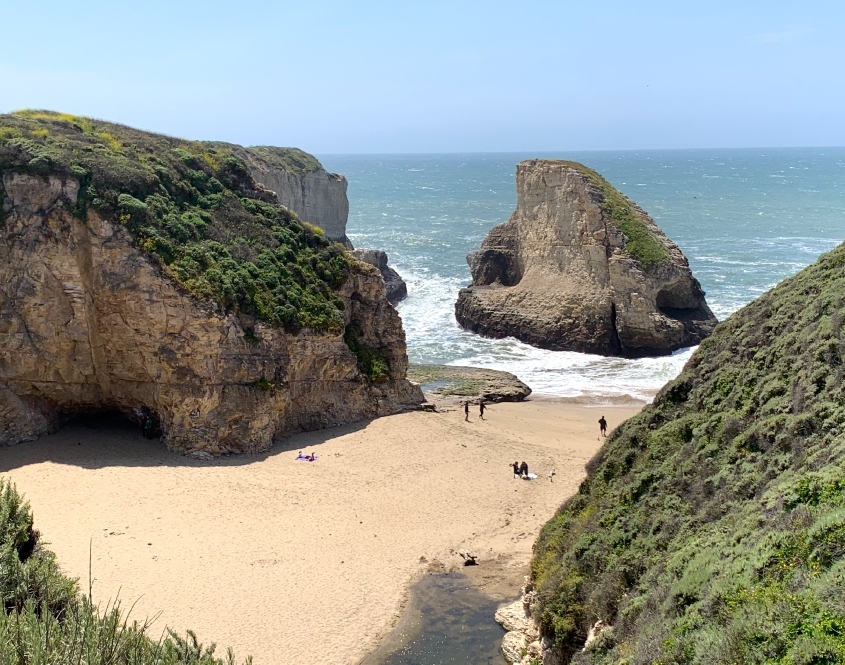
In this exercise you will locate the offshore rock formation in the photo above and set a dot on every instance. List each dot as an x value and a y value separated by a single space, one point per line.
579 267
394 284
89 322
318 197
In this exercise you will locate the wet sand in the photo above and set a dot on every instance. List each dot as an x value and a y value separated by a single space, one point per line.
303 562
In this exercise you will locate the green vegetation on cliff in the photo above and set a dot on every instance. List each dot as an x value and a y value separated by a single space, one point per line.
45 621
195 209
292 160
641 244
711 527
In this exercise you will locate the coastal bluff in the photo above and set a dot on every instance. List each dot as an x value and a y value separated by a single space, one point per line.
580 267
318 197
302 184
144 273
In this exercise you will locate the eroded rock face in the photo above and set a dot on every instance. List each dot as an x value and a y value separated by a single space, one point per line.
560 274
88 323
393 283
320 198
317 196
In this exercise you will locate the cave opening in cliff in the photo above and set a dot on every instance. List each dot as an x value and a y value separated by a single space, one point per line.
677 303
139 422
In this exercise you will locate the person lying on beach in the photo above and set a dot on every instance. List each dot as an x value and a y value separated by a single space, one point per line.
306 458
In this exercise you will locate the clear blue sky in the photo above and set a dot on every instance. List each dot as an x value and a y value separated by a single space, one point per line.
377 76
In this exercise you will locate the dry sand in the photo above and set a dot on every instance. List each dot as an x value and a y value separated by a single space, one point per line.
297 562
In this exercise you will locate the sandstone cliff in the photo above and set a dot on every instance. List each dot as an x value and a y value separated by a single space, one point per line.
229 340
303 185
579 267
318 197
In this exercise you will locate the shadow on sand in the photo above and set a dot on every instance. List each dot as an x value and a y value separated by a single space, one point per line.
108 439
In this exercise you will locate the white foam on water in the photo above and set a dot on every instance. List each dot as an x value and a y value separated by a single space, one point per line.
434 336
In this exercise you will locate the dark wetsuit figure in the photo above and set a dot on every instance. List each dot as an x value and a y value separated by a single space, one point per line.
523 470
603 426
515 466
149 427
466 410
481 408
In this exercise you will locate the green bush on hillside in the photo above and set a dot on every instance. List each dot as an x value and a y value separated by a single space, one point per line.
711 527
195 209
641 243
45 621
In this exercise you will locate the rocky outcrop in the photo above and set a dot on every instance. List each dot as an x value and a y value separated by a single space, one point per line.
446 385
318 197
303 185
88 322
522 643
394 284
579 267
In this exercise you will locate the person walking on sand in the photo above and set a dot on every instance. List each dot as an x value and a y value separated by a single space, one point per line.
481 408
466 411
603 426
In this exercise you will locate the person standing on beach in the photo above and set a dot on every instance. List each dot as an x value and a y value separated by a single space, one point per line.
466 410
603 426
481 408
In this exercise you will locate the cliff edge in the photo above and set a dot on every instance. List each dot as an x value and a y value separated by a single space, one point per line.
318 197
144 273
579 267
303 185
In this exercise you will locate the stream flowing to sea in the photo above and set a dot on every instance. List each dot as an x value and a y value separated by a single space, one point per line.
745 218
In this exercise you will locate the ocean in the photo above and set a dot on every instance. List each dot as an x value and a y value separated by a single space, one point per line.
745 218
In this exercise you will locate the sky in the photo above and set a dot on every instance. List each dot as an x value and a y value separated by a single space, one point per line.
336 77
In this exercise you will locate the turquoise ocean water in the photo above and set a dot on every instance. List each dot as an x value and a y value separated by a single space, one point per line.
745 219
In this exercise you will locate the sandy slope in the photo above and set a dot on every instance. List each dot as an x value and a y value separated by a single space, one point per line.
297 562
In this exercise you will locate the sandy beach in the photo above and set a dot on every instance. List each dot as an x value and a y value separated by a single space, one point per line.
301 562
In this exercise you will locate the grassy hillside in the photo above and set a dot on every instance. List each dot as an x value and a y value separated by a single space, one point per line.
195 209
711 527
45 621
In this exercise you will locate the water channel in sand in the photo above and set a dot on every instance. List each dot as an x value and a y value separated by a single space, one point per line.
448 620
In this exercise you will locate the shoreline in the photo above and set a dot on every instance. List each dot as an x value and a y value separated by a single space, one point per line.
245 550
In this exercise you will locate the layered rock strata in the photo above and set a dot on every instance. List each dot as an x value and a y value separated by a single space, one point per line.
579 267
89 323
